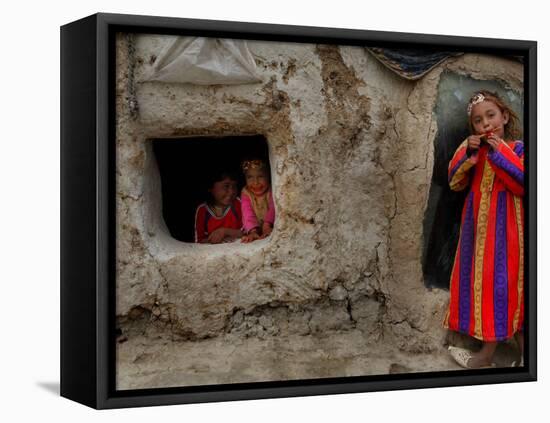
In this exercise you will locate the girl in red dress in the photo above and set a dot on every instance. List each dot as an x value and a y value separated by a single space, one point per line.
486 289
219 219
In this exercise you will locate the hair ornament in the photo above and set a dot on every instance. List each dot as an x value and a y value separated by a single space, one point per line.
476 99
253 164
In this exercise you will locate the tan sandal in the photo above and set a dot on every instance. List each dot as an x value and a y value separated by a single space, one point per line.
514 364
462 356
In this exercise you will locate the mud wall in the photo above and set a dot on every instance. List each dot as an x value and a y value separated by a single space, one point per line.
351 149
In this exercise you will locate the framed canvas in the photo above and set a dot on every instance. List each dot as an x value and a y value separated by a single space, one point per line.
258 211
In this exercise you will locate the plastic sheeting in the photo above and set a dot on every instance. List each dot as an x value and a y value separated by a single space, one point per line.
204 61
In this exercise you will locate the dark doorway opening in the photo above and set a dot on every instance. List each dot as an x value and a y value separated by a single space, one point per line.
186 166
442 218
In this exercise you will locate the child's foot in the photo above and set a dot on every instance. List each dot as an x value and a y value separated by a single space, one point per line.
477 361
469 359
515 363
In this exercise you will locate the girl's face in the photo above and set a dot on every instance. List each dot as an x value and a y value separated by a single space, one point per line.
487 117
224 192
257 181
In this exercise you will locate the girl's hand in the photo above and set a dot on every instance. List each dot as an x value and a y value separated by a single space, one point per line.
494 141
252 236
232 234
216 236
474 142
266 230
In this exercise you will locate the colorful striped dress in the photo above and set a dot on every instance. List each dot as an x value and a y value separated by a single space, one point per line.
486 289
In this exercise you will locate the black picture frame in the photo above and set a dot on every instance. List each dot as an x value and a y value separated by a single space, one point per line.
88 213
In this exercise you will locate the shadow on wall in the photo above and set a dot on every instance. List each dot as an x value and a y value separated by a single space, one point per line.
187 164
442 219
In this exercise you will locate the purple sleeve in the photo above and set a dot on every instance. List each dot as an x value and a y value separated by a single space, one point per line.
507 163
249 217
270 214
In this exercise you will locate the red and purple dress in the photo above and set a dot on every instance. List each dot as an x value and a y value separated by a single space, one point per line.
486 289
207 222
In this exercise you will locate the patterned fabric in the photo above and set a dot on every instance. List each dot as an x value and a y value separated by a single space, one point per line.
410 63
413 64
486 290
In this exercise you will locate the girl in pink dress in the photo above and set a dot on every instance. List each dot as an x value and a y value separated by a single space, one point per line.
258 210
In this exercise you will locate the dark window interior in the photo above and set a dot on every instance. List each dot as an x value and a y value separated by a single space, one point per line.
187 164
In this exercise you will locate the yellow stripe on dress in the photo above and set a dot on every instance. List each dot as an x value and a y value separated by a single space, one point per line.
461 179
485 188
517 204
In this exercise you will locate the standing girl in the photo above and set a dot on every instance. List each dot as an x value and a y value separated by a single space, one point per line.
486 289
219 219
257 201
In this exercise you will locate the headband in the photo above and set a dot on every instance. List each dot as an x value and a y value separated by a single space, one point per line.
253 164
476 99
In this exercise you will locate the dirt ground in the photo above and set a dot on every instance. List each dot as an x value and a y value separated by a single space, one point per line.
156 363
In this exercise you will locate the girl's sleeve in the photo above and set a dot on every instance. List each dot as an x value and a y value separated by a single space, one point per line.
249 217
507 162
239 211
459 166
270 214
200 217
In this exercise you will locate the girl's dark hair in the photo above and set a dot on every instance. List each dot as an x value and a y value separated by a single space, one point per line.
218 176
512 130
